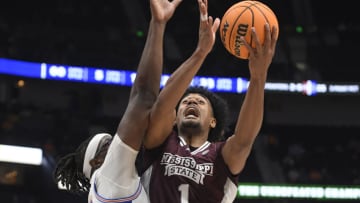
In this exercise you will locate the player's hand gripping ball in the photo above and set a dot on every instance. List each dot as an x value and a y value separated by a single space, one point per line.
238 20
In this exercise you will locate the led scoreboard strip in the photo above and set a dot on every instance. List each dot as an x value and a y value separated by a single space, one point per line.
108 76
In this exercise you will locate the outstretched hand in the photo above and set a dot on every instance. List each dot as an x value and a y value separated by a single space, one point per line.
163 10
207 29
261 56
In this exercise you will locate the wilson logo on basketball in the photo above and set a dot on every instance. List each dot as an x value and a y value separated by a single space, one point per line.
241 32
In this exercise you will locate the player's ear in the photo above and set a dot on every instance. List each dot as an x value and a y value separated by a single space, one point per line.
212 122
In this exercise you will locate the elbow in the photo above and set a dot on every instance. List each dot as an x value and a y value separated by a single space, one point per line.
144 96
144 92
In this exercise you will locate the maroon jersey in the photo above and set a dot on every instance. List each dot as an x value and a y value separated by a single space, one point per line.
177 175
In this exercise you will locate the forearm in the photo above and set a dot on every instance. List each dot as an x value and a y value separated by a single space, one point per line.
251 114
163 113
238 146
180 80
151 62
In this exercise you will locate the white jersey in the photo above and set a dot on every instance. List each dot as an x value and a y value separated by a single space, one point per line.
117 179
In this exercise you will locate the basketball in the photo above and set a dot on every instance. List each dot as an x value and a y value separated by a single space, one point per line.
238 20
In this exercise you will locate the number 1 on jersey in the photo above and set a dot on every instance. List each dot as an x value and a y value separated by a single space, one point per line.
184 190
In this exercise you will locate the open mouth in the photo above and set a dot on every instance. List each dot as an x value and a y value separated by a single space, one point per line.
191 112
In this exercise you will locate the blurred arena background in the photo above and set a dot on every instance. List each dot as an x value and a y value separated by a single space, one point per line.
306 140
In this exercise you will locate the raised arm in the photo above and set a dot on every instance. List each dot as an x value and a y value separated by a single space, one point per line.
238 146
146 86
163 113
151 61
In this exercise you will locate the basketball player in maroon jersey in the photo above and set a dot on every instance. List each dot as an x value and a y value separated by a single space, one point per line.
185 162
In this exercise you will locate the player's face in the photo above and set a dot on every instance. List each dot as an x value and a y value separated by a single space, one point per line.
100 154
194 112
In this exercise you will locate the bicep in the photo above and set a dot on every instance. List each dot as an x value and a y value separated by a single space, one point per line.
160 126
134 124
235 154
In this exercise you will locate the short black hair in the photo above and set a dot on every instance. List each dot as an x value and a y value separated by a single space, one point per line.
220 110
69 170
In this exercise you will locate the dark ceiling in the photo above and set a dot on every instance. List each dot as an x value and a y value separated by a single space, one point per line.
94 33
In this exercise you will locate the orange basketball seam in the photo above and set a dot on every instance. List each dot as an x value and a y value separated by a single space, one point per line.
263 14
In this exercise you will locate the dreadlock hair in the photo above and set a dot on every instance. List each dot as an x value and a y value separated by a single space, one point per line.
219 107
69 170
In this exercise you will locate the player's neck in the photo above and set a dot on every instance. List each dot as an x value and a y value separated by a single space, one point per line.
194 141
